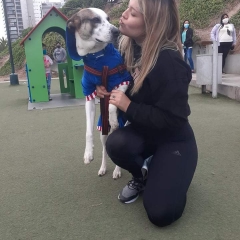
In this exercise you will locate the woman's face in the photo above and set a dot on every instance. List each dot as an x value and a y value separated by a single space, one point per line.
132 23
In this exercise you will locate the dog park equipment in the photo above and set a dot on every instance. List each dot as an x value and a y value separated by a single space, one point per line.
53 21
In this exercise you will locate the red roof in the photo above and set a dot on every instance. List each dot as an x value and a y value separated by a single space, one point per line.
53 8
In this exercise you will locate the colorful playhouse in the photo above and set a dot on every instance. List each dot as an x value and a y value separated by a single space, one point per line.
53 21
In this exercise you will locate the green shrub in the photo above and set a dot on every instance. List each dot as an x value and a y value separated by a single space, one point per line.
200 12
117 10
236 20
50 40
18 58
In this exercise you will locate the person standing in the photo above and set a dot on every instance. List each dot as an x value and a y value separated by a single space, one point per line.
225 34
47 64
187 43
59 54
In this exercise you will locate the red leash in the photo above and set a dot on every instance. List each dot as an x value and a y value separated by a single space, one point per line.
104 102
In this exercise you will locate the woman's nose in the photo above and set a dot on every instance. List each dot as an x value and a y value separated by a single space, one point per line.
124 14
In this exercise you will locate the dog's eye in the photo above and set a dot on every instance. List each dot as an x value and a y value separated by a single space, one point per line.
96 20
108 18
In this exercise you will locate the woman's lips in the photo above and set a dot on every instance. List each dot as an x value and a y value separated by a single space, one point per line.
120 22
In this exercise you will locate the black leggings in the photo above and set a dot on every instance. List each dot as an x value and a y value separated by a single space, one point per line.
170 172
224 48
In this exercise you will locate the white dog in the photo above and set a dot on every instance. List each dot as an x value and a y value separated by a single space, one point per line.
89 35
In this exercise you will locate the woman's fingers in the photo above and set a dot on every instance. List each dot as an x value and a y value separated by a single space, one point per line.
101 91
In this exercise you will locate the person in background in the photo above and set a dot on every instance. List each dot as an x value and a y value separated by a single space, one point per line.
47 64
59 54
187 43
156 106
225 34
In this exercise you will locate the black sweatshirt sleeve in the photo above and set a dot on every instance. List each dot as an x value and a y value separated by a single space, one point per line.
189 36
168 84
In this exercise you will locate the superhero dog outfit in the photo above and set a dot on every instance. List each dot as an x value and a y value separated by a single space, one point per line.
94 65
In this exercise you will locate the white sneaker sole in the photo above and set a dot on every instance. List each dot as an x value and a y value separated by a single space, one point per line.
131 201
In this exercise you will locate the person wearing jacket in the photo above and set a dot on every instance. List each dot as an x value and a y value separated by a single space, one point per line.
225 34
59 54
187 42
47 65
156 106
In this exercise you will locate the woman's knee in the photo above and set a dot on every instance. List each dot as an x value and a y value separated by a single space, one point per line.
123 142
163 216
116 142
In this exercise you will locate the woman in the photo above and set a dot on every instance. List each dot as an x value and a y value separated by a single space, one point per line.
225 34
156 105
187 42
48 62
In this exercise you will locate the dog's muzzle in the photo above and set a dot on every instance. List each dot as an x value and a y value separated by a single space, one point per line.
115 32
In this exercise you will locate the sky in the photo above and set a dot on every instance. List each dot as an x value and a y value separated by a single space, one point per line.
2 30
2 23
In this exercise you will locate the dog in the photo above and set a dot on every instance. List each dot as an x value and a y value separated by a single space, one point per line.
89 36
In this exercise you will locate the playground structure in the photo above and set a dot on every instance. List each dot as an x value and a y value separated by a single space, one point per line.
53 21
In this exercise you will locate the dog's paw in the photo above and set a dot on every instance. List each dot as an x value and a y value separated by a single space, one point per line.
88 157
117 173
102 171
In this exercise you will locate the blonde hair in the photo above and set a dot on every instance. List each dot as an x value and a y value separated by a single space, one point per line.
162 26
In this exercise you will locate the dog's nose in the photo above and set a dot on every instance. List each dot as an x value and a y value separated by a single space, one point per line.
115 32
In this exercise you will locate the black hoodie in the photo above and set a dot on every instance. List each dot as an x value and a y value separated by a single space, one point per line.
161 104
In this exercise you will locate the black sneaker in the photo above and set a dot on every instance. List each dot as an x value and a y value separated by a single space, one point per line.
130 192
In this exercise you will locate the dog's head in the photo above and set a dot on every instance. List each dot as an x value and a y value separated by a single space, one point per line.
92 30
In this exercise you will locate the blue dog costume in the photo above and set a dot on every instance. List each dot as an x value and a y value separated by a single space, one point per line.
110 57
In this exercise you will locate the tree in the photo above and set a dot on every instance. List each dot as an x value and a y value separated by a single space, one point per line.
73 6
3 43
25 32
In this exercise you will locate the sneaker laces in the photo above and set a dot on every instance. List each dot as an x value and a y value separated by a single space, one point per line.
135 184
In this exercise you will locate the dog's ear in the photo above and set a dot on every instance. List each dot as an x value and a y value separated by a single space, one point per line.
74 22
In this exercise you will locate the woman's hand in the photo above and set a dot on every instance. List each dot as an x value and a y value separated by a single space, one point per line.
101 92
120 100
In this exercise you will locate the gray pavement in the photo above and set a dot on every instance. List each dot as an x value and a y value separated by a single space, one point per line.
47 193
230 86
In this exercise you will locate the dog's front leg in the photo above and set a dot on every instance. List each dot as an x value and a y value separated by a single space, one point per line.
117 172
103 167
90 117
113 118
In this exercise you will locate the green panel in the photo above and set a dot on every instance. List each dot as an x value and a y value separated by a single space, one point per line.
61 67
70 67
77 76
34 55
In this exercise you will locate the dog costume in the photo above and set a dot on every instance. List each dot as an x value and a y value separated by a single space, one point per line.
93 67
